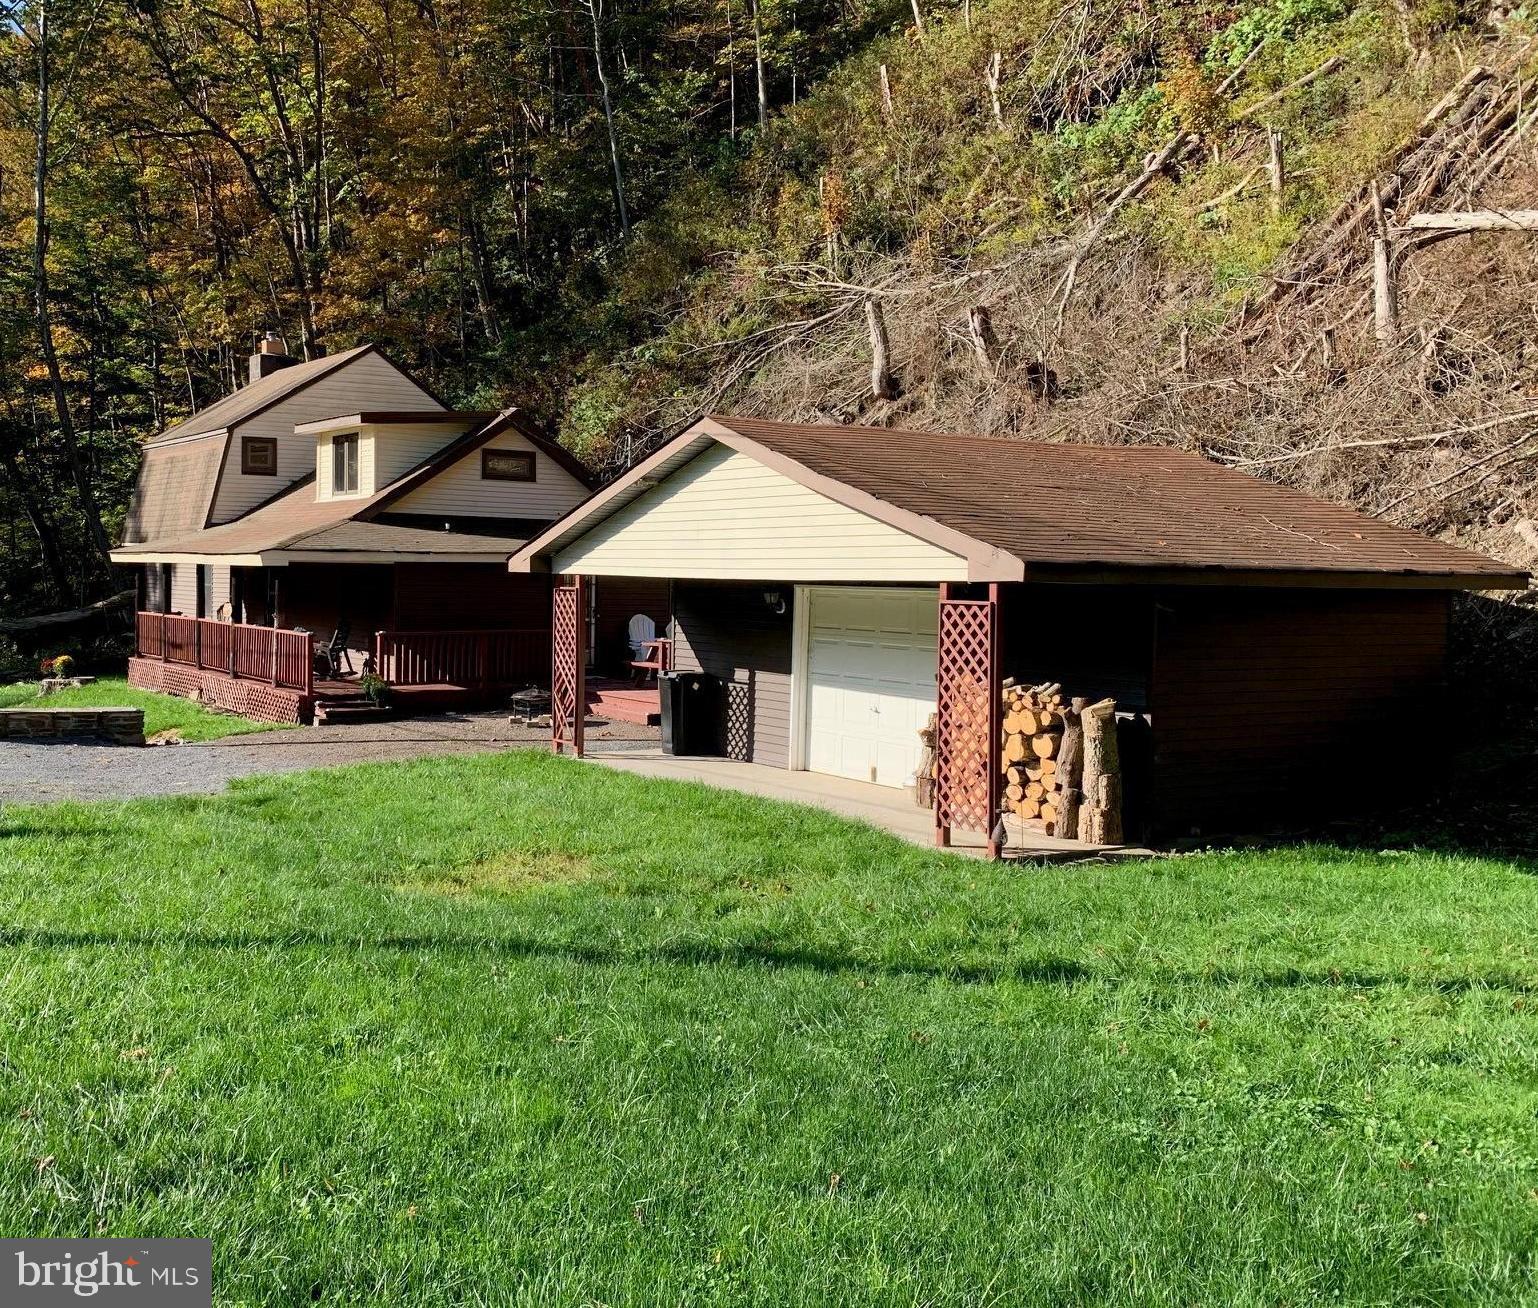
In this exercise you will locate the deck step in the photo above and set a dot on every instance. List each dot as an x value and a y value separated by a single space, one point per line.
360 710
641 705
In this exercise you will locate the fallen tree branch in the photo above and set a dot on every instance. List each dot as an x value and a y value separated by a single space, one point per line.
1424 438
1172 151
1472 220
1331 65
1454 476
68 617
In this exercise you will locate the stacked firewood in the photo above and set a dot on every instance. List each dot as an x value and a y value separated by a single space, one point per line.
1061 770
1034 724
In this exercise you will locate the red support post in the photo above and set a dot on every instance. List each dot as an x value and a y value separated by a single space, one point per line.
995 727
568 666
968 718
579 728
942 759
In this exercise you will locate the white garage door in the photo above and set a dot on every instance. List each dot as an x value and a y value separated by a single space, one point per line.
870 680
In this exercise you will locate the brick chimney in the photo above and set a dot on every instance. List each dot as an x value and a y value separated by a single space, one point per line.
270 355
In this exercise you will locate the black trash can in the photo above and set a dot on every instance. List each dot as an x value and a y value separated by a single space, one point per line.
691 713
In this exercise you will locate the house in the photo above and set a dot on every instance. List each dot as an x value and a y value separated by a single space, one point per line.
336 507
1265 649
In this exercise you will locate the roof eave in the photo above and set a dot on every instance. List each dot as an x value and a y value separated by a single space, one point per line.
1290 578
984 561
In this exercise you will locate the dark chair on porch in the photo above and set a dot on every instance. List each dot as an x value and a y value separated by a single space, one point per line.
334 655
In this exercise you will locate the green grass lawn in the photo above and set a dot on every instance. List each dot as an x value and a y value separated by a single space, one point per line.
161 712
513 1029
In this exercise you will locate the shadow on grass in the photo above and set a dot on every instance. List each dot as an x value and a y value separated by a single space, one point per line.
1046 971
1038 971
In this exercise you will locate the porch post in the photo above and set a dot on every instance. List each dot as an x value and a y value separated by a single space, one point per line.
568 665
942 757
579 718
995 726
968 718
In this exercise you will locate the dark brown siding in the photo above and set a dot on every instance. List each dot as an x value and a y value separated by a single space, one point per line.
1096 640
469 596
617 600
729 632
1284 708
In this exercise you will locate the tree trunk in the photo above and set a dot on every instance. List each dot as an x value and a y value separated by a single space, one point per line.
1475 220
1275 168
79 473
1100 813
1385 295
595 11
731 69
985 345
42 526
995 68
882 384
758 61
1070 773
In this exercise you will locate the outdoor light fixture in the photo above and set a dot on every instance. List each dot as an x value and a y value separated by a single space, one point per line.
774 601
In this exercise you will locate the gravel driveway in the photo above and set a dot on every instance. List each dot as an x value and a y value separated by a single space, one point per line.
36 772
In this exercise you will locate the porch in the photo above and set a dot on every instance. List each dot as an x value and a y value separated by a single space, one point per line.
278 674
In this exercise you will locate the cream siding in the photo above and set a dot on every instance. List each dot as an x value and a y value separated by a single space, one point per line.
385 454
459 488
727 516
400 447
221 590
184 589
367 382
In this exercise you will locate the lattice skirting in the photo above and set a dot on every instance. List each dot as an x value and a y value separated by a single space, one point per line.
250 699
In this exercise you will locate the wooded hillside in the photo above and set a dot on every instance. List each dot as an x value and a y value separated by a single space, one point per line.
1096 220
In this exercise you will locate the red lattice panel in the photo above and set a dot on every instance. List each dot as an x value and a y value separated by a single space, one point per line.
965 784
250 699
568 666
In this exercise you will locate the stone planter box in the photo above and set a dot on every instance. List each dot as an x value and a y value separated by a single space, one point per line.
120 726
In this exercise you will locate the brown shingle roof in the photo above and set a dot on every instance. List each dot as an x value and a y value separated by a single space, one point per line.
1124 506
392 538
174 488
251 399
280 523
296 520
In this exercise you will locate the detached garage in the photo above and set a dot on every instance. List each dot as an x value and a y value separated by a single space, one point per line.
848 585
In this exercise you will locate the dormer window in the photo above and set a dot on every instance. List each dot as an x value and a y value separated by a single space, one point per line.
507 465
259 456
344 463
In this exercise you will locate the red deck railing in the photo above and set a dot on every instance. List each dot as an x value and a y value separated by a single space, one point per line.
462 658
271 654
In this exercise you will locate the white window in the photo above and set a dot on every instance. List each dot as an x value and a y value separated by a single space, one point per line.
344 463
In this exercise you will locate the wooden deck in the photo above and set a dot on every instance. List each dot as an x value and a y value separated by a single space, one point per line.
609 697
